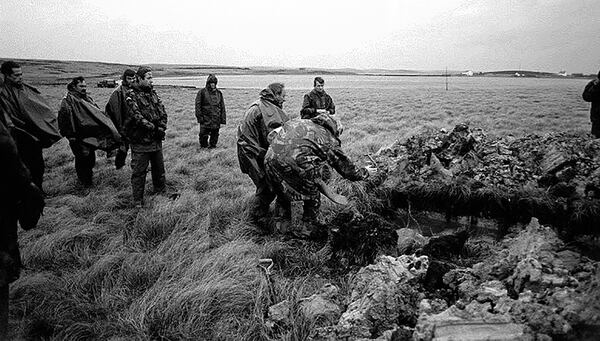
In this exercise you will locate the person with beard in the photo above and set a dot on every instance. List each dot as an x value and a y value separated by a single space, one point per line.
145 127
116 109
210 112
29 119
317 101
261 118
86 127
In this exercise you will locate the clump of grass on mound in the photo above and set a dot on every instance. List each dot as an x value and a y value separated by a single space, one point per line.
217 288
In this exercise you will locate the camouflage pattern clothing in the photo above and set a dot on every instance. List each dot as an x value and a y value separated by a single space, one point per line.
145 129
296 158
316 100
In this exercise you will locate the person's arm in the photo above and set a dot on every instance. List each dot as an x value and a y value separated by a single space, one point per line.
66 123
307 109
199 105
162 120
343 165
223 116
591 93
331 106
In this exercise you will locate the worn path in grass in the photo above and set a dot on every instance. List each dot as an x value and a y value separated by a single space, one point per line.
186 269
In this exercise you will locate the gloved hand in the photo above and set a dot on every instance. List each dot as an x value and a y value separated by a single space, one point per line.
160 134
372 170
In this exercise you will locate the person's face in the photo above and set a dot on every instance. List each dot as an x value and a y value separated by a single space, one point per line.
213 86
281 98
319 87
129 80
147 80
81 87
16 77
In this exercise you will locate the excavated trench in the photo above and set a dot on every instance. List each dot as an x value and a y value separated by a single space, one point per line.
470 237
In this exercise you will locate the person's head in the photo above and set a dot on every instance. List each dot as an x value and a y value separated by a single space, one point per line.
12 72
278 90
78 85
319 84
128 77
211 82
143 77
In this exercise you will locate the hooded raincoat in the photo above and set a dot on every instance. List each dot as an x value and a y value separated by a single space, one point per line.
210 106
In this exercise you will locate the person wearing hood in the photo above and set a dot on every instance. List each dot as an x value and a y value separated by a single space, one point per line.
294 165
261 118
29 119
86 127
210 113
317 101
145 130
116 109
591 93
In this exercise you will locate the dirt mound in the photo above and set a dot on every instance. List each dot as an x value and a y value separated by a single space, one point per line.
555 177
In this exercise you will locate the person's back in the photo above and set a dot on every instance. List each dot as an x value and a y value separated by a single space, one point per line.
591 93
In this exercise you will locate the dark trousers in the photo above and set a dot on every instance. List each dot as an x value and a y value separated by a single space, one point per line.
139 166
205 133
596 129
85 160
121 155
31 154
263 197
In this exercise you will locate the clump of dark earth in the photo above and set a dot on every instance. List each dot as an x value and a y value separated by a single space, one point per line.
537 280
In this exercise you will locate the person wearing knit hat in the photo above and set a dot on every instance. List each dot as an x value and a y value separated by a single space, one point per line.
210 113
591 93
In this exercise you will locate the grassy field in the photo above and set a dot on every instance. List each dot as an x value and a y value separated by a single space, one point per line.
96 268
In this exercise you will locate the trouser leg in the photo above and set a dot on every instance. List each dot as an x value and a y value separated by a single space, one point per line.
214 137
32 156
139 168
85 159
158 171
203 136
121 156
259 207
596 129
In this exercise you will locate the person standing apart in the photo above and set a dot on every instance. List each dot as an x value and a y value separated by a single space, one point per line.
210 113
591 93
317 101
145 130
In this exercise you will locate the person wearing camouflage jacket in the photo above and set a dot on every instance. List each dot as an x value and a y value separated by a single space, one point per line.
297 155
261 118
210 112
145 130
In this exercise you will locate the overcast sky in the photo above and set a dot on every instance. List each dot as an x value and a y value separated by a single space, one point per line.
483 35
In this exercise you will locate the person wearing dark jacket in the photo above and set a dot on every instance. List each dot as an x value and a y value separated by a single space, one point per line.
591 93
261 118
116 109
86 127
29 118
295 161
210 112
21 202
145 130
317 101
